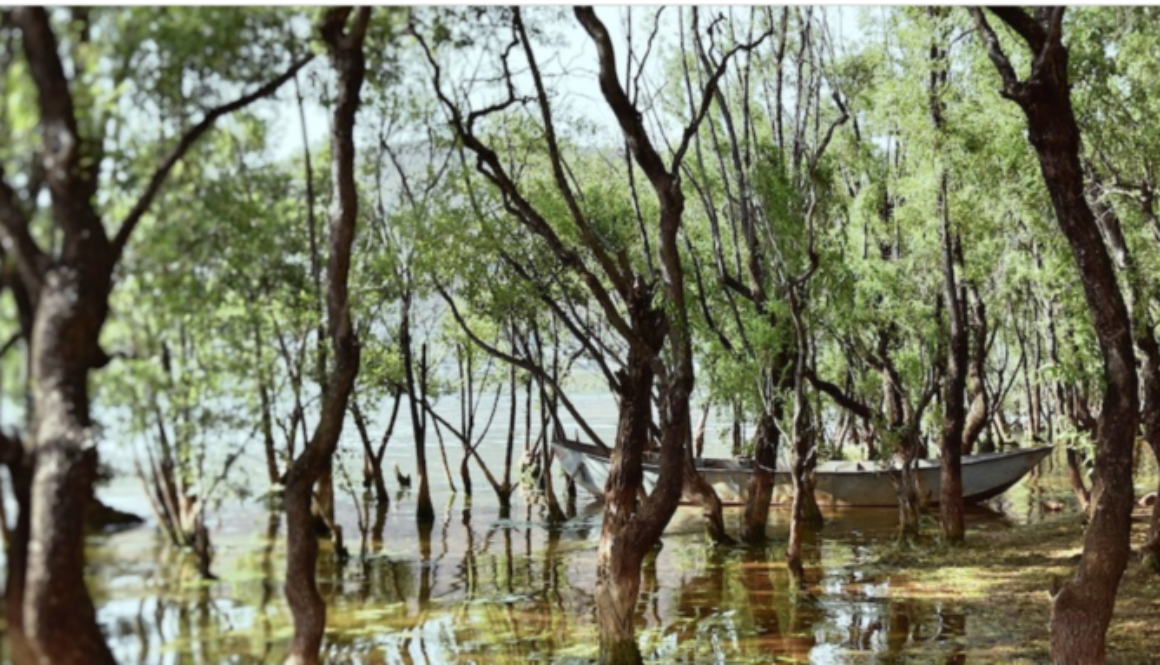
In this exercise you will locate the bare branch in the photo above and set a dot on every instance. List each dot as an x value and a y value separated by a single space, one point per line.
591 239
187 141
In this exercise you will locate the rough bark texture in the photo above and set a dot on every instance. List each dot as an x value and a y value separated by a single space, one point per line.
980 410
951 437
676 388
627 534
760 489
306 604
63 300
1082 607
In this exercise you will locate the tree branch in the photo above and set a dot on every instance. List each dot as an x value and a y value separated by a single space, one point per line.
1023 24
187 141
1012 88
17 241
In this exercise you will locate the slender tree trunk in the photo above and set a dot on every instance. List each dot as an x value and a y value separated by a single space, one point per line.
424 509
1143 332
302 595
704 494
980 410
505 492
951 438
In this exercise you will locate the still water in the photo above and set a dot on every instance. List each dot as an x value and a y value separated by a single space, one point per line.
476 588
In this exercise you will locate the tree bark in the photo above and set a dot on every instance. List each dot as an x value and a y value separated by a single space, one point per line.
306 604
67 294
760 490
1082 607
951 438
980 410
628 533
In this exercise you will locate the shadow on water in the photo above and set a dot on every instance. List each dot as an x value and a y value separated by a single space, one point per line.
477 588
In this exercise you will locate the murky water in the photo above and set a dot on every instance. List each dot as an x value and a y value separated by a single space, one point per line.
480 589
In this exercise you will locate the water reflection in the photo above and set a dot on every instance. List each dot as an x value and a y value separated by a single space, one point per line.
476 588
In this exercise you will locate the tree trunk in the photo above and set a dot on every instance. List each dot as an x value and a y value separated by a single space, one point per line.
951 438
622 544
424 509
302 595
1143 332
58 617
980 410
703 493
760 491
1082 608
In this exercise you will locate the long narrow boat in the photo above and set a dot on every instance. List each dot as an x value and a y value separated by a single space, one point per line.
836 483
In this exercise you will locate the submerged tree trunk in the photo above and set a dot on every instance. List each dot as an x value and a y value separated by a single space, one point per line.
627 534
306 604
58 617
416 397
1082 607
703 493
760 491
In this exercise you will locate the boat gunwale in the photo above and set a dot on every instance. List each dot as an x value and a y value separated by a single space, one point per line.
735 467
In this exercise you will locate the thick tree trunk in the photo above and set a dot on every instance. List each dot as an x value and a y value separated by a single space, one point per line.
1082 608
58 616
760 491
302 595
622 545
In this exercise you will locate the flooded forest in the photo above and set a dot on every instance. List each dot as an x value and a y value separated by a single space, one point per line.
423 335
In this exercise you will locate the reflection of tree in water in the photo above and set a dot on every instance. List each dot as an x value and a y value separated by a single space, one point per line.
472 588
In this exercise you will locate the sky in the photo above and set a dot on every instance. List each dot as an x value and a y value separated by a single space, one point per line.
574 63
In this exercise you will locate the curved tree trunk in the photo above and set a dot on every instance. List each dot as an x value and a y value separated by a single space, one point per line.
1082 607
306 604
622 544
697 488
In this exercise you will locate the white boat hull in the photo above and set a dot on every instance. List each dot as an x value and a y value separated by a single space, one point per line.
836 483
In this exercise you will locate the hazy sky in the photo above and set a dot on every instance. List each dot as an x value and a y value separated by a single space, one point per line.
570 70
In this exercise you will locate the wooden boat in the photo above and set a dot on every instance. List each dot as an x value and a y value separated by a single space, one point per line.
842 483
